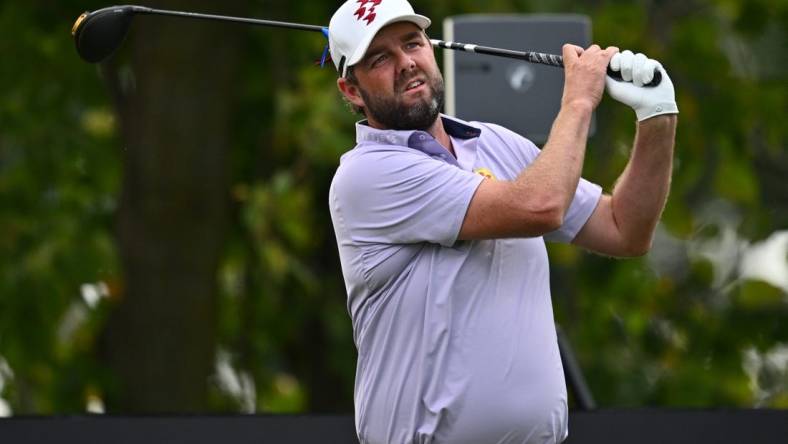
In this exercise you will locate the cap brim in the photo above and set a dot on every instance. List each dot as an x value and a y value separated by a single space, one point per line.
419 20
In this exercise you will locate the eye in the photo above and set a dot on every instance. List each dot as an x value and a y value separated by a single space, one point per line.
378 60
413 45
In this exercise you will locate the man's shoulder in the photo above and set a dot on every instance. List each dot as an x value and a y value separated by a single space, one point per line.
499 130
367 162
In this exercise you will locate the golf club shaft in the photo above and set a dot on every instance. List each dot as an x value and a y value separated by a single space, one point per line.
534 57
226 18
528 56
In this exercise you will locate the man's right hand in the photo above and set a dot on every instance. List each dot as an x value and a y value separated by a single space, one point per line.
585 71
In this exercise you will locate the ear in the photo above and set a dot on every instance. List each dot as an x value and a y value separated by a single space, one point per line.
350 91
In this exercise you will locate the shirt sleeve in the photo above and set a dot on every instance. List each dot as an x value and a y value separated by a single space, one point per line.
400 196
583 205
586 196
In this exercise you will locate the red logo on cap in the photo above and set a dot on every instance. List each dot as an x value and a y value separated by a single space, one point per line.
366 10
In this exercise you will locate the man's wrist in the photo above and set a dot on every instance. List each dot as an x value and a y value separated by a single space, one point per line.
578 106
658 109
659 120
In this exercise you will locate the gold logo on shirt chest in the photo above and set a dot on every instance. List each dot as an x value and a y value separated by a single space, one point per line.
485 172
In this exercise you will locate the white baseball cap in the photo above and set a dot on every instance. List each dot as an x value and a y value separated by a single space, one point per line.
356 23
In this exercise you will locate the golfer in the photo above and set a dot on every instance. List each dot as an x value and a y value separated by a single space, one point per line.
441 227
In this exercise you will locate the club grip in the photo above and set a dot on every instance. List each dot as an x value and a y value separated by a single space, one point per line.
616 75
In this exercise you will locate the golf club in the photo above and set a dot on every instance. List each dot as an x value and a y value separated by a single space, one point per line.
99 33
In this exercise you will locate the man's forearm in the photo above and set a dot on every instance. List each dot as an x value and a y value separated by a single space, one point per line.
557 170
642 189
536 202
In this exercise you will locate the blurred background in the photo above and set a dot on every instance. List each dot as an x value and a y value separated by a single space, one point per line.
165 242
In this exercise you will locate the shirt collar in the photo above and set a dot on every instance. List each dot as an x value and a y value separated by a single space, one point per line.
453 126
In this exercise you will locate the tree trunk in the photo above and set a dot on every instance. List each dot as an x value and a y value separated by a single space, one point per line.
174 110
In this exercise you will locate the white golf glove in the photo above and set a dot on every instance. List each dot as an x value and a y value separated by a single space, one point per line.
638 70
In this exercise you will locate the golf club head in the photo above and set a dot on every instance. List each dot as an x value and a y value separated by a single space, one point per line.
99 33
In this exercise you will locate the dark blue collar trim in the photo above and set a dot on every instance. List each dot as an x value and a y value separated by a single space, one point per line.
459 130
454 128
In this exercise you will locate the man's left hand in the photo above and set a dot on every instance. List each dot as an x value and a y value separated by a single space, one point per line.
638 70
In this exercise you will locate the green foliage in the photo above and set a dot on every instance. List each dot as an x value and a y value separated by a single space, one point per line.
677 335
676 328
59 175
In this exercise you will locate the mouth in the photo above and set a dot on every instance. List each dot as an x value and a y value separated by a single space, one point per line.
414 85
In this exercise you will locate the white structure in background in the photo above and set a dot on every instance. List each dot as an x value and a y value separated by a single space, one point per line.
95 405
5 375
767 372
239 385
93 293
78 312
767 260
736 258
724 251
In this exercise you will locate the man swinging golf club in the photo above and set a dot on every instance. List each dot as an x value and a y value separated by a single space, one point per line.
441 225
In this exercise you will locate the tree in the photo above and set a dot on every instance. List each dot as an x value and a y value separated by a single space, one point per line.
175 109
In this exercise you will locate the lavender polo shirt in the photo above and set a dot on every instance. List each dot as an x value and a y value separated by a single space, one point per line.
456 339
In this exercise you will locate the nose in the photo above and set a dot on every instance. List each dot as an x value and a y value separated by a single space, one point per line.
405 62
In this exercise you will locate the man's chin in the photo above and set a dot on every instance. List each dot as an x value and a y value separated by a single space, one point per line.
418 114
421 120
415 98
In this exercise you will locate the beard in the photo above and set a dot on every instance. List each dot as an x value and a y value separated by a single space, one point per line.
393 114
